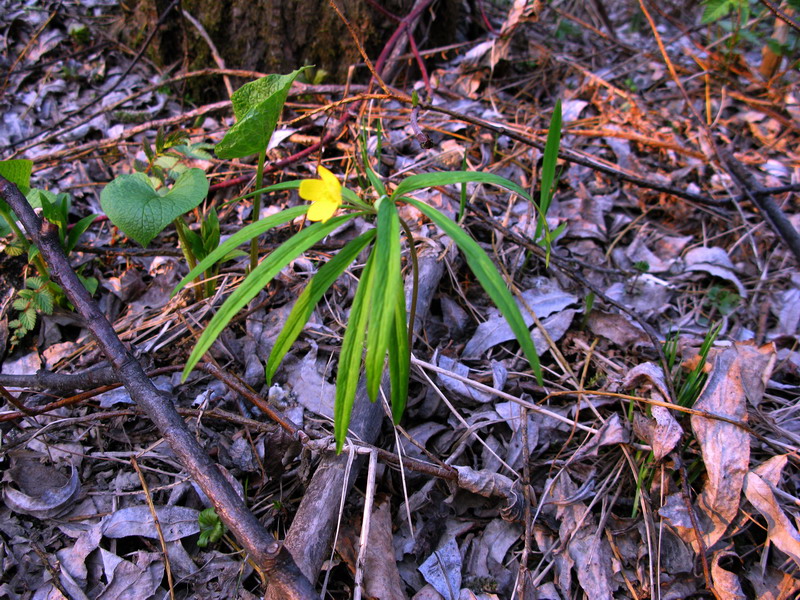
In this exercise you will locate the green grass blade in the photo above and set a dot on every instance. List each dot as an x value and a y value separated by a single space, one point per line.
384 296
399 360
277 187
373 177
256 280
245 234
424 180
312 294
549 167
350 355
489 278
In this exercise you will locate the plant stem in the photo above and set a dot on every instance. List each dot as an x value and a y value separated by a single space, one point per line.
181 227
257 207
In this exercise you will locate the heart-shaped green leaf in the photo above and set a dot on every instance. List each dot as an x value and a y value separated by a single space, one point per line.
257 106
142 212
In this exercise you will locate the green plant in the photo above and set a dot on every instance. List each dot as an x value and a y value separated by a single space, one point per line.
142 204
722 300
40 294
378 319
688 383
211 527
37 298
257 106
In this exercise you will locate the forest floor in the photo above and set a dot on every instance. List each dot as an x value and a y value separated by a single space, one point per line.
657 457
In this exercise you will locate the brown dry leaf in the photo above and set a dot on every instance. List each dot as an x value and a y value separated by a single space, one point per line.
586 546
726 583
757 489
381 578
725 447
661 431
46 492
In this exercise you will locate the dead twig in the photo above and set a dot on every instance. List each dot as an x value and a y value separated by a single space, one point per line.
265 550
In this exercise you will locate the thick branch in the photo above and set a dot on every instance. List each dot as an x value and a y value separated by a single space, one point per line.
263 548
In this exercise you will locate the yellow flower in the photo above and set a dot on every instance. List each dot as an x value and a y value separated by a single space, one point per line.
325 195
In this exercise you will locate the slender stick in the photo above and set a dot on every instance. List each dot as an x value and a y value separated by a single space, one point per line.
160 408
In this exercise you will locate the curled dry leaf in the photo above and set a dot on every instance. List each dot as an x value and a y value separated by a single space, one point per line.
726 583
661 431
758 490
49 492
725 447
587 548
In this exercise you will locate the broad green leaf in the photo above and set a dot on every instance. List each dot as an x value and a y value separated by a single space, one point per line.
257 280
424 180
245 234
142 212
312 294
716 9
257 106
399 360
386 296
489 278
18 172
350 355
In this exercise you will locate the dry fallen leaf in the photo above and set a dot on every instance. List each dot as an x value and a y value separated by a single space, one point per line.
757 489
725 447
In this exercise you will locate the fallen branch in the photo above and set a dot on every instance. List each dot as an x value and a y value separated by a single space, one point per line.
268 553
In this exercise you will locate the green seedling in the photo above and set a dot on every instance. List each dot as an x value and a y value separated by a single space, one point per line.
688 385
40 294
142 204
257 106
378 319
544 236
211 527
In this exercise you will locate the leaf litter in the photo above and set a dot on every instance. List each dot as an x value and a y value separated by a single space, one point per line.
597 484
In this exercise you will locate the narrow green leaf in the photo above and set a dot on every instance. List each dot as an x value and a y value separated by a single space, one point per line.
489 278
373 177
257 280
350 355
312 294
77 231
245 234
550 158
385 296
424 180
399 360
549 169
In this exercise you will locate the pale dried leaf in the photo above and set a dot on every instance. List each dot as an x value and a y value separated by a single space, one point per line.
176 522
662 432
726 583
617 328
714 261
49 492
725 447
381 578
132 580
780 529
442 569
586 546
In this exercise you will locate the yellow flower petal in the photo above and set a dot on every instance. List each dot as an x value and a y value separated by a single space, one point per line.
324 193
313 189
321 210
331 182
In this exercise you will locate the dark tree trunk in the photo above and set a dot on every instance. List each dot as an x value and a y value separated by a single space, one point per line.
278 36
